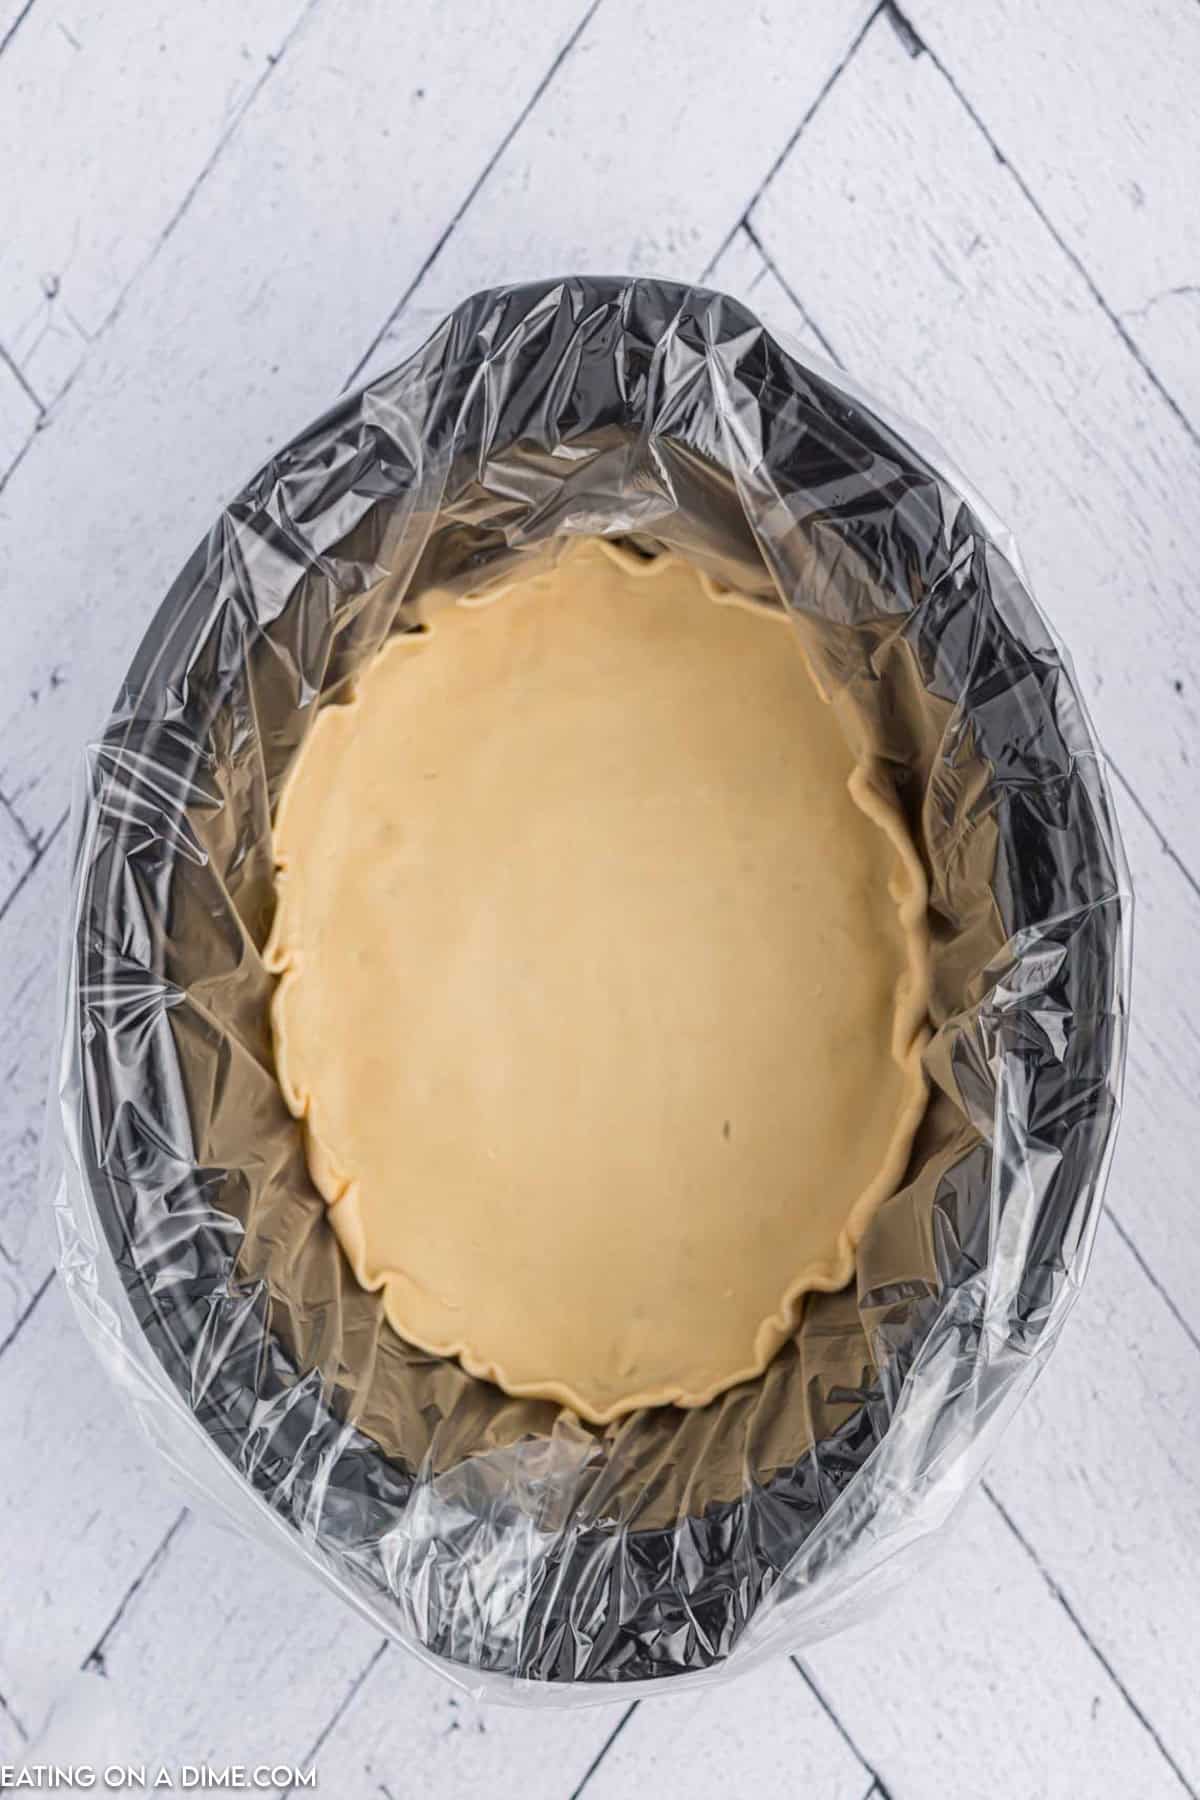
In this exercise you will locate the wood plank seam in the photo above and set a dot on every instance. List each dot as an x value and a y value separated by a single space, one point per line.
19 376
1168 849
1115 319
46 416
22 453
827 87
877 1784
465 204
27 1312
7 1709
214 156
314 1750
1123 1233
605 1747
16 25
1057 1594
786 285
40 848
7 806
94 1660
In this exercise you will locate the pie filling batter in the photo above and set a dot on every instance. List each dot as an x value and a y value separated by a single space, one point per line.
602 983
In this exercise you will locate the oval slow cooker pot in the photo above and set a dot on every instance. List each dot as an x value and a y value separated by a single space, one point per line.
504 1536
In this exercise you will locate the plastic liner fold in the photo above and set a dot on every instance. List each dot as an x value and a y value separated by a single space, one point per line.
526 1554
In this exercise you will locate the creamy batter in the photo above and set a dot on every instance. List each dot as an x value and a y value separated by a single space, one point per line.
602 985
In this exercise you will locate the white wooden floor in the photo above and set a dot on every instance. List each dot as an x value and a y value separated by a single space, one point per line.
212 216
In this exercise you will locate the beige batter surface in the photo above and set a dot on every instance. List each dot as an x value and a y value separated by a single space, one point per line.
602 984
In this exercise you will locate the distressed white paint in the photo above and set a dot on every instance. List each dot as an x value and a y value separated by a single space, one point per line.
1155 1170
620 170
266 1657
976 1684
97 191
1101 1472
405 1732
88 1727
312 221
1095 107
942 289
768 1730
84 1502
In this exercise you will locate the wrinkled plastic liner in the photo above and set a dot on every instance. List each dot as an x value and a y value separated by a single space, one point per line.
520 1550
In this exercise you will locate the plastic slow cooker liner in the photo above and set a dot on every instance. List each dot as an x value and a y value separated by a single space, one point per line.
519 1550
